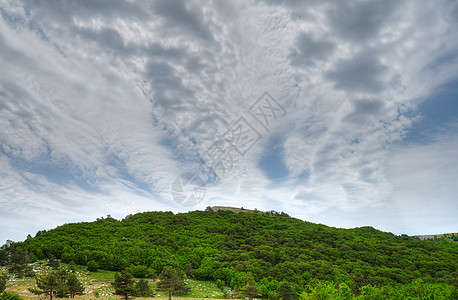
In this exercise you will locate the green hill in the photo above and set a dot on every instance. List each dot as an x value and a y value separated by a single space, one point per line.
224 246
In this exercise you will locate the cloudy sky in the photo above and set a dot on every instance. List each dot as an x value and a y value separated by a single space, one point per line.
337 112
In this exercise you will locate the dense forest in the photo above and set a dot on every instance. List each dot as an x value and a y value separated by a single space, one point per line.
280 256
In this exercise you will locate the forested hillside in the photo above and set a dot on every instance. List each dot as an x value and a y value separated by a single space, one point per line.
224 246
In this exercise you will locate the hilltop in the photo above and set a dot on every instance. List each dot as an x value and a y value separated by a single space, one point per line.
224 246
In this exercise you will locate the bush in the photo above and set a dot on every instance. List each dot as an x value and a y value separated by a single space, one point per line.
10 296
220 284
92 266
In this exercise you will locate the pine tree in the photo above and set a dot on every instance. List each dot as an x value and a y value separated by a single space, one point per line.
171 280
75 287
142 289
3 280
47 284
53 263
62 288
124 284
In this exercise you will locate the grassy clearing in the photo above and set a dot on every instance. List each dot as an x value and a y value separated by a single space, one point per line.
98 285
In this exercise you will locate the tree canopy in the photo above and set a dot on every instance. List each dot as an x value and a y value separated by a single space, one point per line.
226 246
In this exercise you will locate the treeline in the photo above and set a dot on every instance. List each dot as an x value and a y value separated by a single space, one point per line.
280 253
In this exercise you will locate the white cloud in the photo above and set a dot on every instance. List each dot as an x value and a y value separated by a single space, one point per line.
105 103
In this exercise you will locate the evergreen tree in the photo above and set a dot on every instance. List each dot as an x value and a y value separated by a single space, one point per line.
75 287
188 271
18 260
3 280
53 263
171 280
62 288
47 284
124 284
3 257
142 289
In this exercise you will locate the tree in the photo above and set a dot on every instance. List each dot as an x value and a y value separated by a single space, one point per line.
52 283
141 271
62 288
18 260
10 296
220 284
285 292
189 272
124 284
142 289
171 280
345 292
53 263
75 287
18 256
47 284
319 290
250 290
3 257
3 280
92 266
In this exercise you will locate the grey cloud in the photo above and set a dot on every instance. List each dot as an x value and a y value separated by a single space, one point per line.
195 73
367 175
361 73
368 106
178 15
359 21
178 55
64 11
308 50
295 4
106 38
365 110
168 88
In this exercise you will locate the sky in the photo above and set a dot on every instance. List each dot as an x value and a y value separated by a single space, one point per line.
343 113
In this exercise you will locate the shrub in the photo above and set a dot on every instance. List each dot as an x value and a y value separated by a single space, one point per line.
92 266
10 296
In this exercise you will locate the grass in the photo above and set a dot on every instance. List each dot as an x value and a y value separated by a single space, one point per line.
98 285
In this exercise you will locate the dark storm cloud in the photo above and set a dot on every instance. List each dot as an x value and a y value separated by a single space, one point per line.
308 50
361 73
